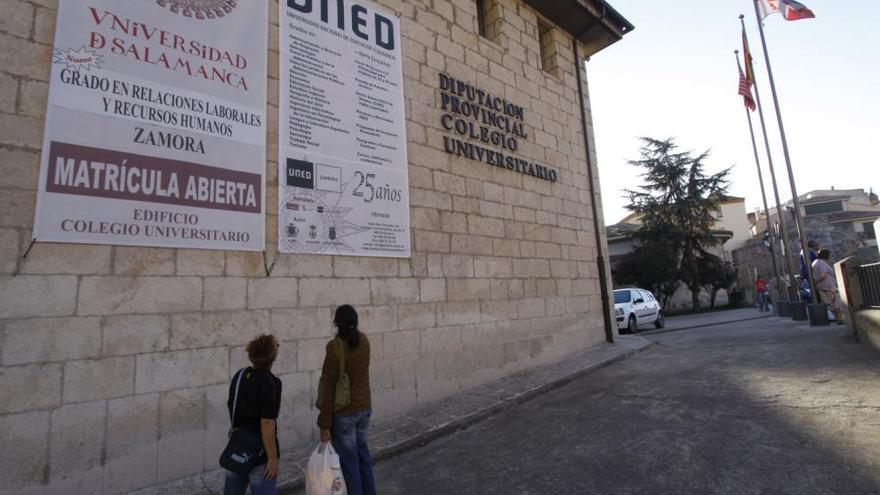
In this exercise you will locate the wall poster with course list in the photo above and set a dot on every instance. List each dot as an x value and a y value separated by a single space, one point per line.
342 166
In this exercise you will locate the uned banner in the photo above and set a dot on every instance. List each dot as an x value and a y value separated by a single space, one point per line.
342 165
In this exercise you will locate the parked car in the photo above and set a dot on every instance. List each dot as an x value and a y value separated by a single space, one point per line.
634 307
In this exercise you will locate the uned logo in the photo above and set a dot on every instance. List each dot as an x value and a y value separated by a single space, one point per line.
300 173
199 9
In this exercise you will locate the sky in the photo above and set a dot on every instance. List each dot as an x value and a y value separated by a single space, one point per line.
675 76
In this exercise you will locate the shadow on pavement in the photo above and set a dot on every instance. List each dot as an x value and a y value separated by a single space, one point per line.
752 408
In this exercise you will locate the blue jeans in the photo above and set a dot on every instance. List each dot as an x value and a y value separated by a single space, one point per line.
237 484
349 437
762 301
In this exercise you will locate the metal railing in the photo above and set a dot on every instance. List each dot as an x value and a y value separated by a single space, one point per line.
869 278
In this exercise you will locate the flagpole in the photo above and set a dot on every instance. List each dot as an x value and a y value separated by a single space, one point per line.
789 262
799 221
773 244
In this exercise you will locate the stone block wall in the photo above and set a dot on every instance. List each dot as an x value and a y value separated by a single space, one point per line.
839 238
753 257
115 361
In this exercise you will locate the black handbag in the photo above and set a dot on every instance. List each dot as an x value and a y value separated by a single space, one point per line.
245 447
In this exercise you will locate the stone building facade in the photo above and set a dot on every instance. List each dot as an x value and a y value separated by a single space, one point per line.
115 361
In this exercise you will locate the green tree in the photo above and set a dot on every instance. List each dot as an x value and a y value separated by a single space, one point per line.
716 275
648 266
677 202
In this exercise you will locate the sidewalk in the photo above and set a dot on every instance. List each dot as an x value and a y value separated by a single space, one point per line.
683 322
430 421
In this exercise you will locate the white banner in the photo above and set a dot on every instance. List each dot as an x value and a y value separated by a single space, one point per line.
342 168
156 125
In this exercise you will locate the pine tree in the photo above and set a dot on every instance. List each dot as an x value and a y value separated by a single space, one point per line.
677 204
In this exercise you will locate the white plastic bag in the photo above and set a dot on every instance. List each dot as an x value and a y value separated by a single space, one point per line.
323 475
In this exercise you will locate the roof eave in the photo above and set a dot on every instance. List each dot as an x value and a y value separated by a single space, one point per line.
854 219
594 23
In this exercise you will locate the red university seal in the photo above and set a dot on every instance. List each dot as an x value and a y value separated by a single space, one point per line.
200 9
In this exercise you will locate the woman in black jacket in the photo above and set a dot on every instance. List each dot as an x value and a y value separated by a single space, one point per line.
259 398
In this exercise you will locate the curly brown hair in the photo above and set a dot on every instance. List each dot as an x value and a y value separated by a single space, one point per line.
262 351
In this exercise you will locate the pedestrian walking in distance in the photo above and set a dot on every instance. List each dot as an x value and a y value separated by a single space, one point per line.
256 408
761 293
826 284
346 427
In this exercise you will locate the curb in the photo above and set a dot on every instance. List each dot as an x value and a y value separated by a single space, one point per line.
704 325
423 438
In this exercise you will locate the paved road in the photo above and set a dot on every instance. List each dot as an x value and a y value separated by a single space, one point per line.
760 406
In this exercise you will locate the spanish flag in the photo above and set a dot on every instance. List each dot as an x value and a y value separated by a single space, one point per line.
747 57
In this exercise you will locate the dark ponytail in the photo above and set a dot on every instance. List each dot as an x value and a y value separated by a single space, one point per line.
346 321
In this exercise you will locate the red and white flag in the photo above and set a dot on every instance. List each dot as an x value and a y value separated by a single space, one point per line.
745 90
791 10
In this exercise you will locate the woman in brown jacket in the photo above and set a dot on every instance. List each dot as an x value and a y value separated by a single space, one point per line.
347 427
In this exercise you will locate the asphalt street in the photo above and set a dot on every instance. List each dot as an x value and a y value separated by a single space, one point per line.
760 406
